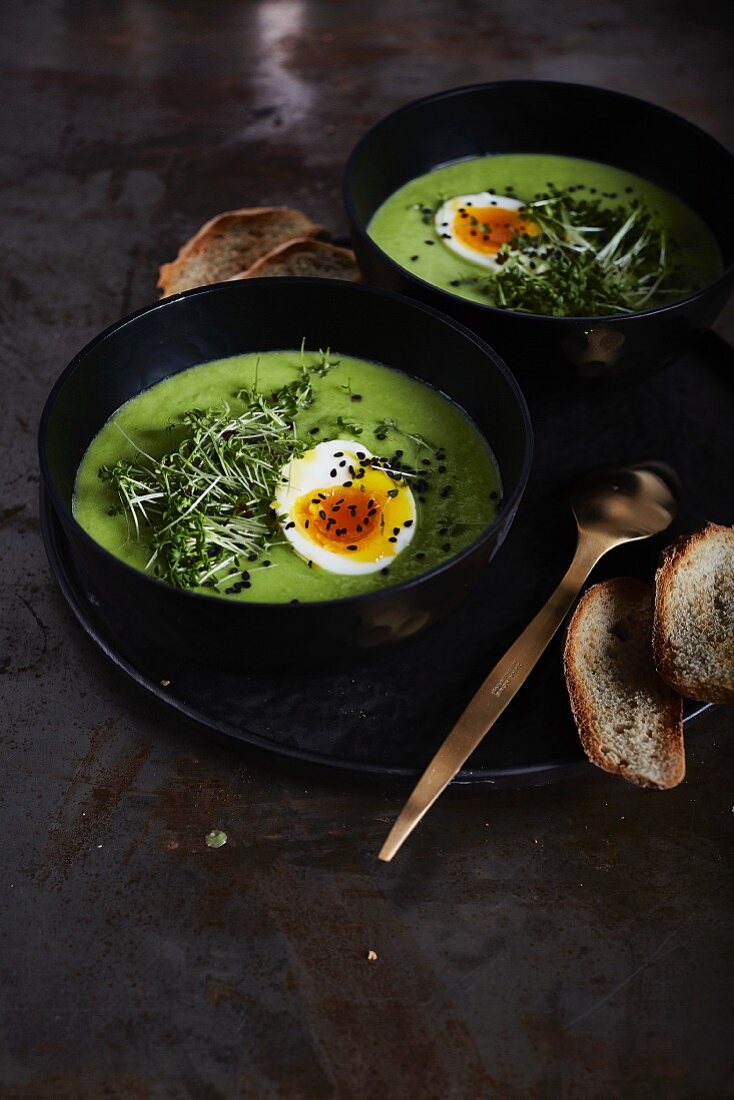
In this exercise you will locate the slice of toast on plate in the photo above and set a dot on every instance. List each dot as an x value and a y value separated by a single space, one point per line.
693 631
305 256
630 722
231 243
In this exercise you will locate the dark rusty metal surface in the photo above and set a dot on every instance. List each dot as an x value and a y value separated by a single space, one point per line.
568 941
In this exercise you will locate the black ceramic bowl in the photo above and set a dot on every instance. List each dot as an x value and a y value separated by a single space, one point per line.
260 315
530 116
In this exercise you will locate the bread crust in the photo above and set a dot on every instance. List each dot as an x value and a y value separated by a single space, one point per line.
633 592
279 255
169 272
669 565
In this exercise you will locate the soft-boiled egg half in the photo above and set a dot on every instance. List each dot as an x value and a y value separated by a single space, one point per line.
476 226
342 510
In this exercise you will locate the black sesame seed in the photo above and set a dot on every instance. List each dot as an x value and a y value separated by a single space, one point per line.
322 513
455 282
420 555
380 435
442 469
245 575
313 431
396 530
384 571
266 563
408 523
295 601
289 525
446 490
347 484
414 258
351 548
338 454
426 461
343 463
332 473
392 539
356 397
398 454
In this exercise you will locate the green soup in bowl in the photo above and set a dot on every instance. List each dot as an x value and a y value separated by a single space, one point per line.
287 475
547 234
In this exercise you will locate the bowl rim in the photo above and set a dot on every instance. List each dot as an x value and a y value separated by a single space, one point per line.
588 320
509 503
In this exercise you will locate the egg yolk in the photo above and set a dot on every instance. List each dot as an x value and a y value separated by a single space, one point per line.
485 229
340 517
362 521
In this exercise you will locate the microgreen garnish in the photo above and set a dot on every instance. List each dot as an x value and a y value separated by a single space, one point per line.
348 426
206 504
589 259
386 426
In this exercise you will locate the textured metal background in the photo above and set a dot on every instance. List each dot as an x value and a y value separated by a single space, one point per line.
568 941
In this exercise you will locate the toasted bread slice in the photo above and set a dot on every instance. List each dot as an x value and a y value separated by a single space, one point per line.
629 721
305 256
231 243
693 633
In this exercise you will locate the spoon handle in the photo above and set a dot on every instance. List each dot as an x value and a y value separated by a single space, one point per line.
500 687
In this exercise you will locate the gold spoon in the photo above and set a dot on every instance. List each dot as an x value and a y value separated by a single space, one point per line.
611 508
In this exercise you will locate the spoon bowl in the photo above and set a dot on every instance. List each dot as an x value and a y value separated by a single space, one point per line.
626 504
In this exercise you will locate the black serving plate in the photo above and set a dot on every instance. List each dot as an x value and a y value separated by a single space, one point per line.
385 715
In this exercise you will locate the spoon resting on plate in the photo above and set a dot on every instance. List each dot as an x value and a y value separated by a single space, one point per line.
611 507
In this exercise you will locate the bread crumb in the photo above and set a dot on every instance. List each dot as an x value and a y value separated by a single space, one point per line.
165 683
371 956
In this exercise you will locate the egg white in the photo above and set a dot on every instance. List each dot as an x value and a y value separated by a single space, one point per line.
312 473
444 223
